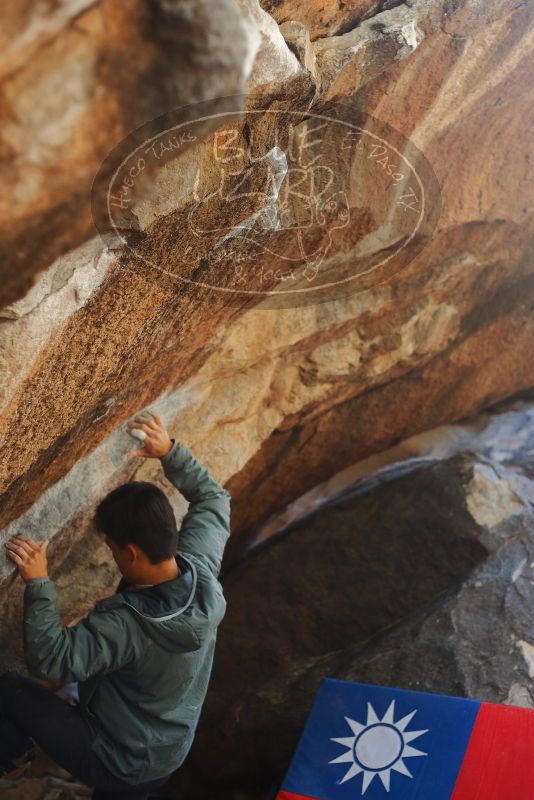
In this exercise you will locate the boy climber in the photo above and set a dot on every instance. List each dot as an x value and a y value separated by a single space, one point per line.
143 656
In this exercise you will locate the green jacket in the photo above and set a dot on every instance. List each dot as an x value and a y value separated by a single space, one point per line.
143 658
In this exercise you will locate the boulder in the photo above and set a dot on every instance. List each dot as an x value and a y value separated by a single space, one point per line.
179 301
418 576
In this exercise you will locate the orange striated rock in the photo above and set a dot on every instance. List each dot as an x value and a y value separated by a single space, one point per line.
76 77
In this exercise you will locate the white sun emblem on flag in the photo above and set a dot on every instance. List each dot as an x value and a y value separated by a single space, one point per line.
378 747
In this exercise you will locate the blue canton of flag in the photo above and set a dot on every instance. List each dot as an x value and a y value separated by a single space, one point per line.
379 743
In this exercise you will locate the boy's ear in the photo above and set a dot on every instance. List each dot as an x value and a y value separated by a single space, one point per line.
130 550
133 551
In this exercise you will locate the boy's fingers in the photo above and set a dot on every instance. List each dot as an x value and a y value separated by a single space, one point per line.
12 553
144 426
157 418
138 422
15 556
27 546
141 418
145 420
21 546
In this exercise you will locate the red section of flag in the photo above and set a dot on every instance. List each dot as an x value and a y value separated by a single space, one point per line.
291 796
499 760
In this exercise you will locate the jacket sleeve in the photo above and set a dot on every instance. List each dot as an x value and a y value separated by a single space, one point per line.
206 526
98 644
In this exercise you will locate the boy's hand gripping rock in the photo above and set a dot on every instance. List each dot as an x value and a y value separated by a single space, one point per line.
149 428
29 556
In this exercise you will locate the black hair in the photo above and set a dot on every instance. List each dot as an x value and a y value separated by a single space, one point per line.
139 513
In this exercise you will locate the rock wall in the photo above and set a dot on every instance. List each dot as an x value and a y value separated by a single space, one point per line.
274 391
275 396
272 398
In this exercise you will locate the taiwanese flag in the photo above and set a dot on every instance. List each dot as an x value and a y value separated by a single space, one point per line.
391 744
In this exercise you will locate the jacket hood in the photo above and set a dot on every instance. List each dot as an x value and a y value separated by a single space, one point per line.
161 610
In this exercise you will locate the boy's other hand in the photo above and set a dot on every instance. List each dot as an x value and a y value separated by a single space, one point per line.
29 557
157 443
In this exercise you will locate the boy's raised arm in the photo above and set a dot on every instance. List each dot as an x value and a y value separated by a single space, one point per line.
206 526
